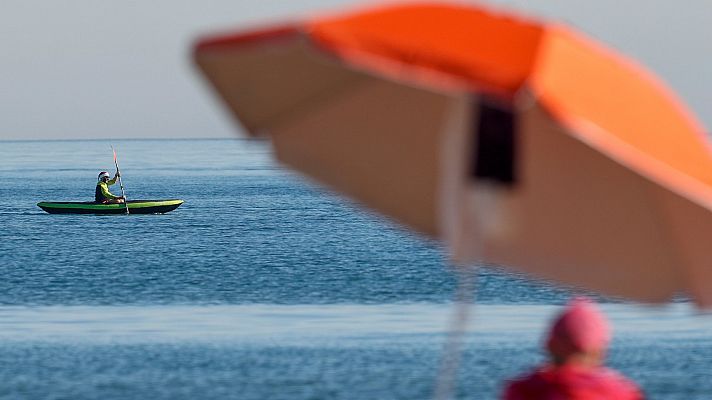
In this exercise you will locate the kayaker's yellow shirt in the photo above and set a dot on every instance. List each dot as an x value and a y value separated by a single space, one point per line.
103 189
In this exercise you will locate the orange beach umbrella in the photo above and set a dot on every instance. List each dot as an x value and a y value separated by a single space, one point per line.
515 141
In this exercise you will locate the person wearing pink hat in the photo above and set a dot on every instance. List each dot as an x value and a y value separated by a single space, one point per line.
576 344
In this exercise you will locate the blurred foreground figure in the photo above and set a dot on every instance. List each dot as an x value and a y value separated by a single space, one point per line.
577 346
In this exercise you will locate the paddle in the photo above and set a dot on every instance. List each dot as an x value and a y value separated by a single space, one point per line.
116 162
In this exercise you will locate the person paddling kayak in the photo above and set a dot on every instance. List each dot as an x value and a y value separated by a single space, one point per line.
102 193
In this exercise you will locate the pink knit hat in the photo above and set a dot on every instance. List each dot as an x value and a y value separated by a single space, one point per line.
581 327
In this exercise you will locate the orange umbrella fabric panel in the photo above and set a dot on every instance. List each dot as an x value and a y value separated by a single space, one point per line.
581 82
475 47
609 102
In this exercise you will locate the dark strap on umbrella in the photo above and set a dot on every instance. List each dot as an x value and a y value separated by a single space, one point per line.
494 153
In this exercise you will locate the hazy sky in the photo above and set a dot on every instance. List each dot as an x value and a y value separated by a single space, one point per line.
115 69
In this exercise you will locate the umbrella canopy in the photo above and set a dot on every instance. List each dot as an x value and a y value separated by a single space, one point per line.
515 141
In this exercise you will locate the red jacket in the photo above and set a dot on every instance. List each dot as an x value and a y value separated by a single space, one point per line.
572 383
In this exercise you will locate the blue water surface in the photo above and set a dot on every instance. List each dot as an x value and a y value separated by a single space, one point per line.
172 306
249 232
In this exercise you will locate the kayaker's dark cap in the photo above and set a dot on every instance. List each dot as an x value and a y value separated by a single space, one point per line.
103 174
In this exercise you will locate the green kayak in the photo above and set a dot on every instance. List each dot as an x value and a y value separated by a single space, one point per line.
90 207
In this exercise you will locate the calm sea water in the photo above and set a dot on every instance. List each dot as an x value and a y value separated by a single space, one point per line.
261 286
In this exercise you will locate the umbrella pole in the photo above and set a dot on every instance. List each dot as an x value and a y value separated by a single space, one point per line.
446 380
